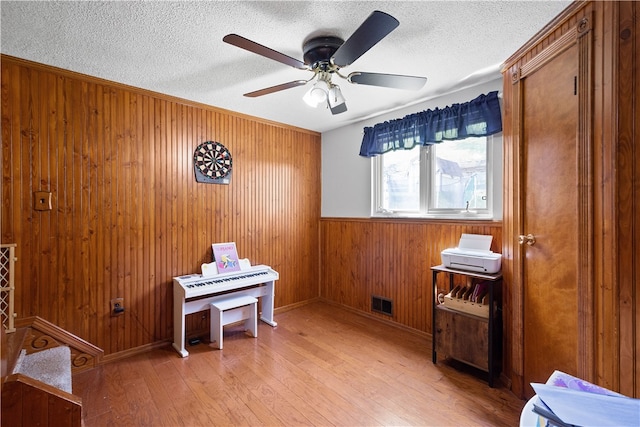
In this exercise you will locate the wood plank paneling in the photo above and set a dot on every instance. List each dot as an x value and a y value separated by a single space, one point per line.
390 259
127 213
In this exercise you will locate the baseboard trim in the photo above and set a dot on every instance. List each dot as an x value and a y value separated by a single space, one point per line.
134 351
376 318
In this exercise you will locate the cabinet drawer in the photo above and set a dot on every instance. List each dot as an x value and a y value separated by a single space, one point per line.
462 337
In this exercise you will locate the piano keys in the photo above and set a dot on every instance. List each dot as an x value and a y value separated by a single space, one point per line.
193 293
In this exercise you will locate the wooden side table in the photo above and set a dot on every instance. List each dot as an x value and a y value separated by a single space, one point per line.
478 346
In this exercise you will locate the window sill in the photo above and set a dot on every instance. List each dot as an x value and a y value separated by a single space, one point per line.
448 217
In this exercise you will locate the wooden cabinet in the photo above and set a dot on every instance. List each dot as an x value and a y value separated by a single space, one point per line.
570 126
462 336
465 333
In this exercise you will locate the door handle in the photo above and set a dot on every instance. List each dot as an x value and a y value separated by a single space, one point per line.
529 239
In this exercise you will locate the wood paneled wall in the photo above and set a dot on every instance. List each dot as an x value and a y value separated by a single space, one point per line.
127 213
390 259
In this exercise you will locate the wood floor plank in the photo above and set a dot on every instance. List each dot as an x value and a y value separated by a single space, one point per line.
91 387
392 394
116 390
315 396
274 396
216 380
323 365
330 401
143 410
289 406
197 401
159 394
333 400
188 407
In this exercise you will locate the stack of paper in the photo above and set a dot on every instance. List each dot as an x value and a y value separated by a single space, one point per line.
569 401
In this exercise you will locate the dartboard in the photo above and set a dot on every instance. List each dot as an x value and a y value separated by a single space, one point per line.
212 161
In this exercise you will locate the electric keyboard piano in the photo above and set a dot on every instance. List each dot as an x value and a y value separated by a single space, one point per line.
193 293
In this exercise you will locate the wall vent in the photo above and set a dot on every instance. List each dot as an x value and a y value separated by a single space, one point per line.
382 305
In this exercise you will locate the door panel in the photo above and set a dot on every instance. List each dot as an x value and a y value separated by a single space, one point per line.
550 289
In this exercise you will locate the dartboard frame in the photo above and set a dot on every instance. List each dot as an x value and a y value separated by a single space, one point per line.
212 163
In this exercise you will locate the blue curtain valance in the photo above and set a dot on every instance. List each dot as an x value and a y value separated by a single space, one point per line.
478 117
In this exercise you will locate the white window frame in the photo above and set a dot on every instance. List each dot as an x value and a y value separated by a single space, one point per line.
494 188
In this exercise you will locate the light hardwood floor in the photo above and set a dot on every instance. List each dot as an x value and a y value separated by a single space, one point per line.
322 365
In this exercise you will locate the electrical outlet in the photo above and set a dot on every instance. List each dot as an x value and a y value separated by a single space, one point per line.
42 201
117 306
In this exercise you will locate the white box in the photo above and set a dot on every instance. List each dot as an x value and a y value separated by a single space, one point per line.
473 254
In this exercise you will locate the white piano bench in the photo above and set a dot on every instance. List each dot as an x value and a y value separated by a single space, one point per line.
232 310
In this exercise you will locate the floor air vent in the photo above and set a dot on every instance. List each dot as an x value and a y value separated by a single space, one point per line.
382 305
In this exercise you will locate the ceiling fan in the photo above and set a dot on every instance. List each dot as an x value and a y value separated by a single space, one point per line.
326 55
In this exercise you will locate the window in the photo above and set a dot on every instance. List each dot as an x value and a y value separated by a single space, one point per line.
453 179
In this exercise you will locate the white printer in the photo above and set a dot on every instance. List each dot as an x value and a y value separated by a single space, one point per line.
473 253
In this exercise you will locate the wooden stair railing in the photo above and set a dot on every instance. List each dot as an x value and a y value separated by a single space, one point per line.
27 401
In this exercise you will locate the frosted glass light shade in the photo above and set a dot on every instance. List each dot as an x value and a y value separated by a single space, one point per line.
337 103
317 94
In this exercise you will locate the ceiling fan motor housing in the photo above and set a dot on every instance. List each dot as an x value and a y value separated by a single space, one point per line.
319 50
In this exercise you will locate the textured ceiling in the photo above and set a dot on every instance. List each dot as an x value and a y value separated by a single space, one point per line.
176 48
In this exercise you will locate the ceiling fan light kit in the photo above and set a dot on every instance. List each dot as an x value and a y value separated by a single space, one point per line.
326 55
337 103
317 94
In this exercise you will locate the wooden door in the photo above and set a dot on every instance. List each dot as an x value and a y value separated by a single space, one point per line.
550 211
